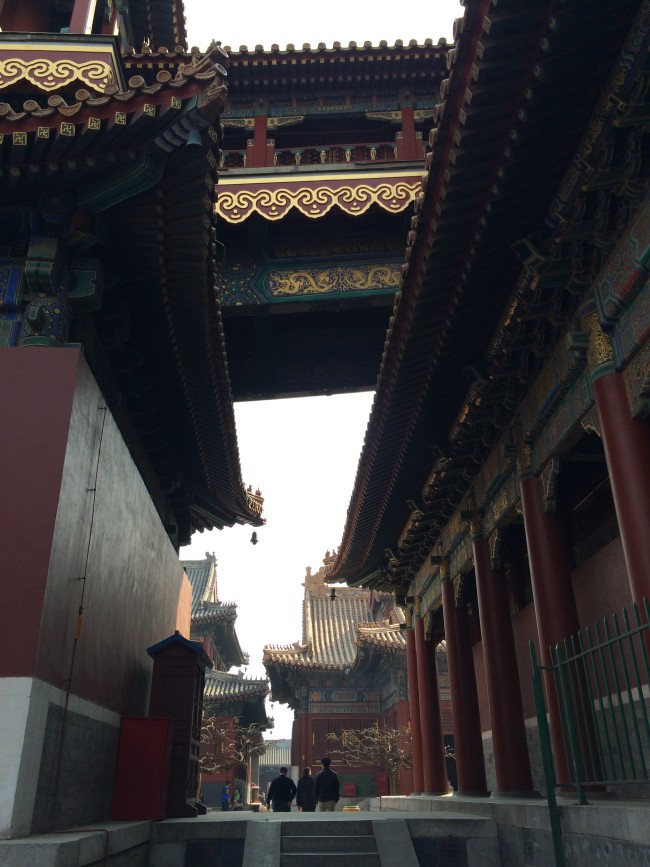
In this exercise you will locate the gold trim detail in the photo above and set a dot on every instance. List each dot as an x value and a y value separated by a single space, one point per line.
459 587
524 457
600 350
51 74
316 281
428 625
591 423
315 202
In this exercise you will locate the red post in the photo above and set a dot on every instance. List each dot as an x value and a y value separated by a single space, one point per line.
434 771
626 442
470 764
408 150
555 606
512 765
83 13
414 710
259 141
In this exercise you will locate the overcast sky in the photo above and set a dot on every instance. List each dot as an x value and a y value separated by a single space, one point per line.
301 453
263 22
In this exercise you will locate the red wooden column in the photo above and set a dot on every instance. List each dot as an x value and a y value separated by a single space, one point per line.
555 606
512 765
414 711
409 147
259 140
83 13
626 442
303 756
434 771
470 764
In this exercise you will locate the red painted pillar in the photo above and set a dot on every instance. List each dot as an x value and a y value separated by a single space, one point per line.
259 141
626 442
512 765
555 606
434 771
414 711
409 148
468 743
83 13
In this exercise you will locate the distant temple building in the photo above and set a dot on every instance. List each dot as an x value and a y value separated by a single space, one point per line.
347 672
322 159
227 696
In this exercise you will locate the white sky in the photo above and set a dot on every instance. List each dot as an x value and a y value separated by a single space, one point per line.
302 454
264 22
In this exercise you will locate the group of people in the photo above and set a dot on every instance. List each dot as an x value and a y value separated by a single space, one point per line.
323 789
227 802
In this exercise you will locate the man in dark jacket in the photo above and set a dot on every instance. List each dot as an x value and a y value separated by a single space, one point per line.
306 799
282 791
326 789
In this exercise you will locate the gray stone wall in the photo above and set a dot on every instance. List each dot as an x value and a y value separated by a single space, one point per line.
86 770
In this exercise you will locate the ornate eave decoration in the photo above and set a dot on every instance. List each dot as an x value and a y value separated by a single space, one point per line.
315 195
53 61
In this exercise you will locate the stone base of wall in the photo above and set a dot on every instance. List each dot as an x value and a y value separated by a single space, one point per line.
610 832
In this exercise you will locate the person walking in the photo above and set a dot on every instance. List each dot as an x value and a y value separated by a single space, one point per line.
281 793
306 799
326 788
225 798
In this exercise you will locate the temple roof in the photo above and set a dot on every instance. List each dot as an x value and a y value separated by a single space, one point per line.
536 97
340 69
210 616
334 628
322 48
135 165
221 686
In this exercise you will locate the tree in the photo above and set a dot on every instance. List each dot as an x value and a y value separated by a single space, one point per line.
386 748
226 744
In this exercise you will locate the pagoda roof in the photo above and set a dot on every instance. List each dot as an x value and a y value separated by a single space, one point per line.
211 616
221 686
334 629
273 70
159 21
399 47
143 159
535 93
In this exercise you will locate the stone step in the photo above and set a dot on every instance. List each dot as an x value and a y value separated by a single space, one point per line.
328 843
315 828
333 859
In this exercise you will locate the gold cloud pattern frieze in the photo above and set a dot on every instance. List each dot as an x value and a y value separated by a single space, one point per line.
273 202
46 74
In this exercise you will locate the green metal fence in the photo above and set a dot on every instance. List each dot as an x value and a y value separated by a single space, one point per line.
599 679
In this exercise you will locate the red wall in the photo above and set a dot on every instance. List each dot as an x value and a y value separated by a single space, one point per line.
65 545
37 388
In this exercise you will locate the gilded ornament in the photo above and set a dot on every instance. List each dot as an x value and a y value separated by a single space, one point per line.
591 423
314 202
417 602
494 544
550 477
317 281
524 457
45 74
600 350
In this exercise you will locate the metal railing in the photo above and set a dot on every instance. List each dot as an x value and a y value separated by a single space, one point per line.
600 679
